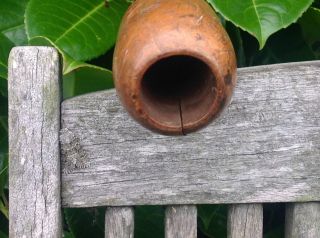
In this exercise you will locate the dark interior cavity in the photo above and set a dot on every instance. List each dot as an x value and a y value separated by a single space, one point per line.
178 84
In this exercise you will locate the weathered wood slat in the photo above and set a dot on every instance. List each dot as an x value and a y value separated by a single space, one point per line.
264 148
245 221
34 124
181 221
119 222
303 220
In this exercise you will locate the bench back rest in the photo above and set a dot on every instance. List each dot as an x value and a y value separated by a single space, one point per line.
88 152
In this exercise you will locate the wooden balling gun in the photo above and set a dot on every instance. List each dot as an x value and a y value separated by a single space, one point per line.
174 65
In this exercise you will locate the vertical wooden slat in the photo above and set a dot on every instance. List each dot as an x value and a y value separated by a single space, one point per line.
34 124
119 222
303 220
181 221
245 221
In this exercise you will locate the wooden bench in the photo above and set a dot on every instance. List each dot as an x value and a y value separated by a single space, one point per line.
88 152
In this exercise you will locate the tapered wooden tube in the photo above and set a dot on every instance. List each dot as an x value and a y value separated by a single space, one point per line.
174 65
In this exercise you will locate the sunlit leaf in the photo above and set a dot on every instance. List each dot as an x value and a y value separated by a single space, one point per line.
261 18
82 29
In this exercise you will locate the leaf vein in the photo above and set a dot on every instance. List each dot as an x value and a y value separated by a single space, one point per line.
80 21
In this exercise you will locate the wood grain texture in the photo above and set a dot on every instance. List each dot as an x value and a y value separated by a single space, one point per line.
34 124
119 222
181 221
303 220
245 221
264 148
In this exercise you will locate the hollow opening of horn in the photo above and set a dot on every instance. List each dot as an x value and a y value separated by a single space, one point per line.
178 90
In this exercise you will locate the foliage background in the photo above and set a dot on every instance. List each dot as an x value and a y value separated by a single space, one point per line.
85 31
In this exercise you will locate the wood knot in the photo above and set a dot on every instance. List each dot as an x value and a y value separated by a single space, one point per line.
73 156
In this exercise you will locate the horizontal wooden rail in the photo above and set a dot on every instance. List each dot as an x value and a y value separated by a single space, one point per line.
264 148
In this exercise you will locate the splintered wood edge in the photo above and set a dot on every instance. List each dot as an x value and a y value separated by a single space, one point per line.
263 148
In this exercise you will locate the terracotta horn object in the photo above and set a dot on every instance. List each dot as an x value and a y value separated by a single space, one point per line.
174 65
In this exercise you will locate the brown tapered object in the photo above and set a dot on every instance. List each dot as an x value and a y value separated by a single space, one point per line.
174 65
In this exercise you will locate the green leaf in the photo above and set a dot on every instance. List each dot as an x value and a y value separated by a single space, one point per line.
86 80
67 235
3 142
3 235
261 18
3 87
287 45
237 42
213 220
4 210
149 221
11 13
5 47
85 222
3 171
82 29
310 24
17 35
12 20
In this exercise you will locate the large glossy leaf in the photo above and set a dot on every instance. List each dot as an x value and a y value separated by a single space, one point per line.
82 29
261 18
12 20
310 24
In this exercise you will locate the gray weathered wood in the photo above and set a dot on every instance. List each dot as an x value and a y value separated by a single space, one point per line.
181 221
119 222
264 148
303 220
245 221
34 124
